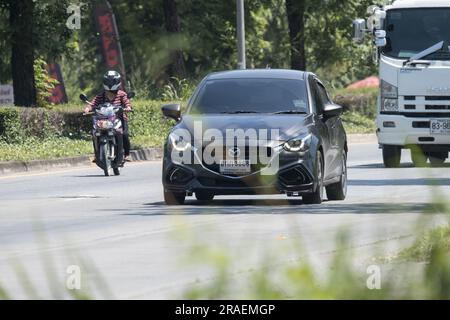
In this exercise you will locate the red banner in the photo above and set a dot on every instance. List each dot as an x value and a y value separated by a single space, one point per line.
109 38
59 95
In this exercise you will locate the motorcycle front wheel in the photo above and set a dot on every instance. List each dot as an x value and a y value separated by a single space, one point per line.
105 158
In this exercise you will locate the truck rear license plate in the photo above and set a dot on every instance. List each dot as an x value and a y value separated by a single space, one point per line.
235 166
440 126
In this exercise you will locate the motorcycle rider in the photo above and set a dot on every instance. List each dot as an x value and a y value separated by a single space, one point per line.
112 94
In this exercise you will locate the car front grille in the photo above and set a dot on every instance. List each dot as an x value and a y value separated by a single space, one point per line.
250 153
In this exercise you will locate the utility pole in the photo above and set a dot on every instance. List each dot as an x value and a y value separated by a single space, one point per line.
241 34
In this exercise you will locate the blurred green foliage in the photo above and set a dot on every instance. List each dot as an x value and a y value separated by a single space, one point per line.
345 276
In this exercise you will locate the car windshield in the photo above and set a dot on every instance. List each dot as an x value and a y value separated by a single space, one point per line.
251 96
410 31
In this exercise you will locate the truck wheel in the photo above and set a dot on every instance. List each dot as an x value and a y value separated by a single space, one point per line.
174 198
391 156
338 191
437 158
418 158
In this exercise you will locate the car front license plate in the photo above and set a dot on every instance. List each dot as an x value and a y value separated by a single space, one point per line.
440 126
235 166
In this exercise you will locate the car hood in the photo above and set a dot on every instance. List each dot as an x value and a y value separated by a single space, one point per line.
289 126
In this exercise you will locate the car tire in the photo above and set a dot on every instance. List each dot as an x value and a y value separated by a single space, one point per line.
174 198
204 196
338 191
391 156
317 196
437 159
418 158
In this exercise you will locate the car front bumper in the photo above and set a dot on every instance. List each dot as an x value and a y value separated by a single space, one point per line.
408 131
294 175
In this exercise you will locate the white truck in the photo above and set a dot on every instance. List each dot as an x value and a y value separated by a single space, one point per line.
412 39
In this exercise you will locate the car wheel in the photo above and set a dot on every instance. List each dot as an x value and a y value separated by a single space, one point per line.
317 196
391 156
174 198
338 191
418 158
204 196
437 159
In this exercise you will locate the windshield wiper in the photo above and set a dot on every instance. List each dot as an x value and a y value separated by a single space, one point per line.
239 111
290 112
426 52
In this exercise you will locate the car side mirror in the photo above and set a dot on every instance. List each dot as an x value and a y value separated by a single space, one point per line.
131 95
332 110
172 111
83 97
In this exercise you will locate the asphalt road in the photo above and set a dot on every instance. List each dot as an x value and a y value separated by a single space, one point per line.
129 245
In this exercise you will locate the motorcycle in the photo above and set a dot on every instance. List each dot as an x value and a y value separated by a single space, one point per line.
107 135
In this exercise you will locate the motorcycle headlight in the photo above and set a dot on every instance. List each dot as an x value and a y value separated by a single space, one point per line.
105 124
299 144
179 143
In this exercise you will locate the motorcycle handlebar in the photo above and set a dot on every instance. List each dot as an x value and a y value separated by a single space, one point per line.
117 107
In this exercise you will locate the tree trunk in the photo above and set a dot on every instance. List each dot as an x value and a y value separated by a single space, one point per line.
22 55
173 27
296 18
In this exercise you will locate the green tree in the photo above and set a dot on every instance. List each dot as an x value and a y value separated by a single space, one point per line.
35 29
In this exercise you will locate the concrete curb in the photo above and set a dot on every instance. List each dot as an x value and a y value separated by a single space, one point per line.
11 167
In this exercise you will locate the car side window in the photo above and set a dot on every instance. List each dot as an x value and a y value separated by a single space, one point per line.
323 95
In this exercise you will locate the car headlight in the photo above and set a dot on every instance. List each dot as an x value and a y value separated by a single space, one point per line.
389 104
299 144
388 90
178 142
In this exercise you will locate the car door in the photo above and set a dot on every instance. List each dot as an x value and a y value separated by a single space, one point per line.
334 127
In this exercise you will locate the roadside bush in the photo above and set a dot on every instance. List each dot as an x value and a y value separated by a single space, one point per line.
147 121
10 126
23 127
362 101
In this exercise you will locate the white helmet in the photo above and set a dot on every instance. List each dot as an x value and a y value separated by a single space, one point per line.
111 81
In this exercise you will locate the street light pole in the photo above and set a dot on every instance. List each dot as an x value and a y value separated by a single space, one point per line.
241 34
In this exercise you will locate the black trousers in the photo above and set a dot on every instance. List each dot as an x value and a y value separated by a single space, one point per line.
126 139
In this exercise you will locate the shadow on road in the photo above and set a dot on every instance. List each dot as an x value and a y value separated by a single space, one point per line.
90 176
401 182
402 166
279 207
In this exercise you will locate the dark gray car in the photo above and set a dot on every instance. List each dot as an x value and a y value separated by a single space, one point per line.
256 132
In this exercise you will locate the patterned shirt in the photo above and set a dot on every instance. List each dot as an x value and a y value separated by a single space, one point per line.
120 99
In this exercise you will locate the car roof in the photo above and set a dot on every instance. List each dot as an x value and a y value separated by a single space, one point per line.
259 74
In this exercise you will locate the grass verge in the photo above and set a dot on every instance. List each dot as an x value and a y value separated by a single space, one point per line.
44 149
422 250
357 123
